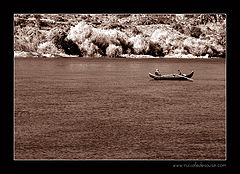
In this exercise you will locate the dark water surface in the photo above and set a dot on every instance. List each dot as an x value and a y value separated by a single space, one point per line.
102 108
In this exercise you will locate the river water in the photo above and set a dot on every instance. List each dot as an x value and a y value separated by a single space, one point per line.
108 108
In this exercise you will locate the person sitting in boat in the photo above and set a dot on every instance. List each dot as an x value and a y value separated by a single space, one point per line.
180 73
157 72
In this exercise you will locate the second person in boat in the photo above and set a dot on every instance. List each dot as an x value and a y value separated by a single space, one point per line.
180 73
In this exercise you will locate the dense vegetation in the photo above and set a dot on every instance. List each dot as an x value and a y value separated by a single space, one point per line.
120 35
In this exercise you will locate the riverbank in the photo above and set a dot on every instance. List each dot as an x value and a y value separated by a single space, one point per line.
21 54
115 35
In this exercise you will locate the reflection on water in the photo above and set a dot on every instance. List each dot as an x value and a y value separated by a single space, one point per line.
90 108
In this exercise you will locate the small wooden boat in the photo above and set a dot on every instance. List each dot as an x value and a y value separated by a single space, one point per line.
172 76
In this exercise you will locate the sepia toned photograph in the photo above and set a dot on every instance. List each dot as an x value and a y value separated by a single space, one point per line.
119 86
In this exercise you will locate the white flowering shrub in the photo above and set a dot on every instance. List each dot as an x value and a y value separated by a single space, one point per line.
113 50
87 48
48 48
79 33
140 44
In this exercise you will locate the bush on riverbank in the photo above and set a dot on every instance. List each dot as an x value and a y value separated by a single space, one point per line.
26 39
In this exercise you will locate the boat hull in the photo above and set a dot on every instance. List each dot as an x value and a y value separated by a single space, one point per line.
172 77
